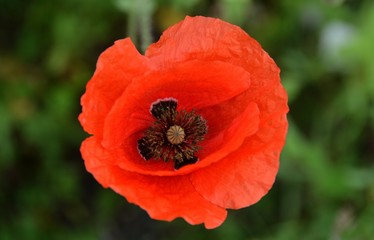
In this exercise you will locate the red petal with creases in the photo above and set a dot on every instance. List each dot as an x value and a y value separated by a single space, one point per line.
116 68
209 39
164 198
243 177
246 175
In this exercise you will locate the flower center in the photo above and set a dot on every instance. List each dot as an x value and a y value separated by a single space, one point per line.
174 135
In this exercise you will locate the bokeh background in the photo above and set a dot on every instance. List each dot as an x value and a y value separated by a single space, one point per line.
48 52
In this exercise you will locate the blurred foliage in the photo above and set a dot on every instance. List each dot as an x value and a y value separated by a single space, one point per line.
48 51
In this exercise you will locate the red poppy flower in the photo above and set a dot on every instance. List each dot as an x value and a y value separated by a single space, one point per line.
192 128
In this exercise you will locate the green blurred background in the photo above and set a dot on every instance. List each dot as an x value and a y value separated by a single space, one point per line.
48 52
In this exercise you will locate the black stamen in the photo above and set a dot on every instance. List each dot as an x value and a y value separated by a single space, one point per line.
159 108
185 162
144 149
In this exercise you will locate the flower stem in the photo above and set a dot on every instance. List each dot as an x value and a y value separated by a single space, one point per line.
132 23
144 11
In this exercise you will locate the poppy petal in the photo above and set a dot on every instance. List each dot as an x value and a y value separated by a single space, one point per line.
116 67
238 180
209 39
243 177
195 84
232 138
164 198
